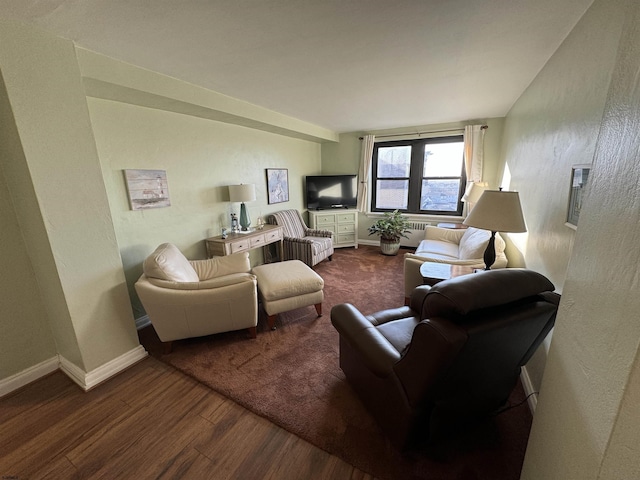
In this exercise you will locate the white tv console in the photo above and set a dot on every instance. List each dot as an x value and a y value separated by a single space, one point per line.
342 222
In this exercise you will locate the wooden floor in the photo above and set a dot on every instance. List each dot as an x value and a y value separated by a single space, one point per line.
150 421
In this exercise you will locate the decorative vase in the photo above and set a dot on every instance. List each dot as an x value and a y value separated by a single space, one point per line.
389 247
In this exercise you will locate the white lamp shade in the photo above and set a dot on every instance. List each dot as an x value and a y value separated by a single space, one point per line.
473 192
497 211
242 193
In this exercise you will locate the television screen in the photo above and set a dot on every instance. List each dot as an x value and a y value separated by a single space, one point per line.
331 191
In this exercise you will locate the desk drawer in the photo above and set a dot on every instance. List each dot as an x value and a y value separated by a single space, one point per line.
325 219
271 237
240 246
257 241
347 217
346 228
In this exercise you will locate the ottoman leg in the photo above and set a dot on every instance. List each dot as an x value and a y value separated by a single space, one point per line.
318 309
272 321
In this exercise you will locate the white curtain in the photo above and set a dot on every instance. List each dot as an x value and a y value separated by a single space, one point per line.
364 172
473 156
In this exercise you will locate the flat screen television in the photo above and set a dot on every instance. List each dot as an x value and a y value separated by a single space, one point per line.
331 191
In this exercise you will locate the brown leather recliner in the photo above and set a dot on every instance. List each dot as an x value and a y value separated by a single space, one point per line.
454 352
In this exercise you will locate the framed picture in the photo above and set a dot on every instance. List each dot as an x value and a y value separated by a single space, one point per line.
579 178
278 185
147 189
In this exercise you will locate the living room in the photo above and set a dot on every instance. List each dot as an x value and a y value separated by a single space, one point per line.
73 248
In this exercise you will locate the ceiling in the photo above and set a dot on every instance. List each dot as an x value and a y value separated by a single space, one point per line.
346 65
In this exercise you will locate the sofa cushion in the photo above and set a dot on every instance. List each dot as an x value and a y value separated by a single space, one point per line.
168 263
473 243
437 249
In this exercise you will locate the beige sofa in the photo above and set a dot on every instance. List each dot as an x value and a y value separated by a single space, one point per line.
453 246
196 298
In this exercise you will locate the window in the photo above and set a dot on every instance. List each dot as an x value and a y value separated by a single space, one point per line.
424 176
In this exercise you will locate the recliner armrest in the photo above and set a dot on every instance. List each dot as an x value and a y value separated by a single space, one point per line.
377 353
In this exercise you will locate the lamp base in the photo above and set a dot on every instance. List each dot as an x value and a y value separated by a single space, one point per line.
245 221
490 252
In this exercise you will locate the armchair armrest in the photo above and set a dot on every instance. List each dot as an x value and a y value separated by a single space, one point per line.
309 232
298 240
377 353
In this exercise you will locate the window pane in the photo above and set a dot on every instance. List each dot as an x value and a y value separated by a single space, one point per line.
394 162
441 195
392 194
443 159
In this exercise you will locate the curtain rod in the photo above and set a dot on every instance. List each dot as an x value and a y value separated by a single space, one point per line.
483 127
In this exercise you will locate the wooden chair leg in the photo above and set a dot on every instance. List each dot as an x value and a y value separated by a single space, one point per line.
253 332
272 321
318 309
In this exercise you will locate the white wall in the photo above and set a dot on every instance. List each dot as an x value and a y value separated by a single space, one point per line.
587 421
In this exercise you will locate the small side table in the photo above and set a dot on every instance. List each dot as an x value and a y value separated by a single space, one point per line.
433 272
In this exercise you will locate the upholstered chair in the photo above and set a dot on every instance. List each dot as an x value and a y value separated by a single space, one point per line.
196 298
300 242
454 353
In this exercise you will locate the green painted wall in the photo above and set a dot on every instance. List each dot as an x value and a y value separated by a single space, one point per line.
26 338
202 157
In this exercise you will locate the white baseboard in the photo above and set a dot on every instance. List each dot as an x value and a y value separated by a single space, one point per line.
142 322
29 375
88 380
528 390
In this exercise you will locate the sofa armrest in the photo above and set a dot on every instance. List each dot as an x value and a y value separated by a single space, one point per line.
377 353
450 235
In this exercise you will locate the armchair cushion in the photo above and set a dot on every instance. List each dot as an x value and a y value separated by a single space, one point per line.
221 266
168 263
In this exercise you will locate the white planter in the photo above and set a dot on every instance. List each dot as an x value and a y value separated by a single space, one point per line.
389 247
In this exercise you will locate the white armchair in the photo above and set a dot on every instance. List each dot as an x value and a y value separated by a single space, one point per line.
187 299
452 246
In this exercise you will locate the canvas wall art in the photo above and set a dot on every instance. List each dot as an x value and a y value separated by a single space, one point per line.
147 189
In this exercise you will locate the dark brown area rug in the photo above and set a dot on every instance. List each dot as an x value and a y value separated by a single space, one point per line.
291 376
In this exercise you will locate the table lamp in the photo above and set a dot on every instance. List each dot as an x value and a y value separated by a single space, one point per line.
496 211
243 193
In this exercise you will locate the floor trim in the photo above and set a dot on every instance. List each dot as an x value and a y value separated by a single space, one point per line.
31 374
88 380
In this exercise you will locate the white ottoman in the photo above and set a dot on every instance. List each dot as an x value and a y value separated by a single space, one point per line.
287 285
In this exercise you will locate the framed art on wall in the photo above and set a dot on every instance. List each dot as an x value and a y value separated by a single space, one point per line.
147 189
277 185
579 178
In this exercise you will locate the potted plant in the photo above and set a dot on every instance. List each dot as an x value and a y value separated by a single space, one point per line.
390 227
